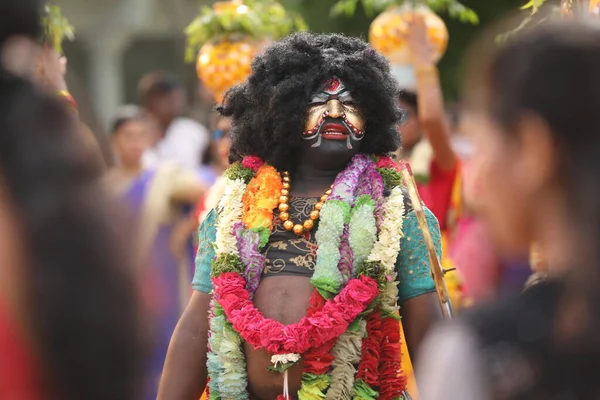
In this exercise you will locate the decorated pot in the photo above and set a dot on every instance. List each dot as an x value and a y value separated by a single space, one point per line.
225 61
388 31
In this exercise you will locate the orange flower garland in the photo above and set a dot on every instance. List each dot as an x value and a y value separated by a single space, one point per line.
261 198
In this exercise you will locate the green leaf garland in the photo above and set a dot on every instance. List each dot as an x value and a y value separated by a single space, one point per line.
237 171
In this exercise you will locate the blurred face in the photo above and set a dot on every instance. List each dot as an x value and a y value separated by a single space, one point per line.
223 142
131 140
334 126
18 55
501 184
410 129
168 106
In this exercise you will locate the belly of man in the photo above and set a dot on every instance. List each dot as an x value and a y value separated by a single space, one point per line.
284 299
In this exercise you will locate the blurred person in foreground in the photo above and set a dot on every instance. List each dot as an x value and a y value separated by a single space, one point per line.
69 317
157 199
533 112
42 63
180 139
426 145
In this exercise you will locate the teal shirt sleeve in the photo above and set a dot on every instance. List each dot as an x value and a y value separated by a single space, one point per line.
412 265
207 234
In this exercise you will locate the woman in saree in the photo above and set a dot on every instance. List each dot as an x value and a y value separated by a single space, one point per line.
157 199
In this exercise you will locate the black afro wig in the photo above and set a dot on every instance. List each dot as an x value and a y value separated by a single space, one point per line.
269 110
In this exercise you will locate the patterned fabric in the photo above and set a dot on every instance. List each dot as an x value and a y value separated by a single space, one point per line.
289 255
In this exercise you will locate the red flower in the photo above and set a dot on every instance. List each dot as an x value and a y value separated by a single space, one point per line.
252 162
368 368
229 284
392 379
316 303
361 289
318 360
386 162
321 327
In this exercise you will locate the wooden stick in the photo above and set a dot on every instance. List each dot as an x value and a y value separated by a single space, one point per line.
437 271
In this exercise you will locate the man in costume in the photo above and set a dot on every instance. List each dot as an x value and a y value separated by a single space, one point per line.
314 244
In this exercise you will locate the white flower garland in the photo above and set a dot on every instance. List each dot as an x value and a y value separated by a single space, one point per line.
387 247
230 212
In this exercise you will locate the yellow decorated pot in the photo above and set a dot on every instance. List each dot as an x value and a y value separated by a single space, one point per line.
225 61
388 31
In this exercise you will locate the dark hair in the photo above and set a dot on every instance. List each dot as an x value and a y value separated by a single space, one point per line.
157 84
269 110
124 115
20 17
554 72
409 98
82 304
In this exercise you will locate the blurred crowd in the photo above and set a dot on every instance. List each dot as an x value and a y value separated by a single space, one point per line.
96 260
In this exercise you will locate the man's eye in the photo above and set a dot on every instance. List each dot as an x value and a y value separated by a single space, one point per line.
349 103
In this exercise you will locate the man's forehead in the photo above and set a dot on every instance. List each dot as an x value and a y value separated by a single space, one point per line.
334 86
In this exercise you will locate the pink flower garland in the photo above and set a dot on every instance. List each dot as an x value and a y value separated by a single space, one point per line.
310 332
387 162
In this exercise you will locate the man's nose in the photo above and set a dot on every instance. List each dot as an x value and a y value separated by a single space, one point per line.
335 108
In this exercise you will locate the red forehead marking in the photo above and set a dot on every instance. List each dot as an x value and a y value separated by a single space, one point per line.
332 85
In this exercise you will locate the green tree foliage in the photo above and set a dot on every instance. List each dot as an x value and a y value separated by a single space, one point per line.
317 15
257 18
454 8
56 27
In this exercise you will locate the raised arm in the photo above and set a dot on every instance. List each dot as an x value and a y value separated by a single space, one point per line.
429 96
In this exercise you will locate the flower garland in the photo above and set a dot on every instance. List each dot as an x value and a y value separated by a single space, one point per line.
260 198
314 331
327 278
230 211
358 242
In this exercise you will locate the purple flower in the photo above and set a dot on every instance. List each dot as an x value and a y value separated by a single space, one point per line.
254 261
378 188
344 186
346 256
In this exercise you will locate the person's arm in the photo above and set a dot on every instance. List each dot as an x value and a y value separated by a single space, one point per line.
419 306
430 98
187 189
185 373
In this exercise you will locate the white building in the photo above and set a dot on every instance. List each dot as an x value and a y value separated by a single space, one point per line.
118 41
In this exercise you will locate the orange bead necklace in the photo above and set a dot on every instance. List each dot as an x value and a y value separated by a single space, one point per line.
284 208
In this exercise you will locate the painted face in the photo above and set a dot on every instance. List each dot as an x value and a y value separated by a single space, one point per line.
333 116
